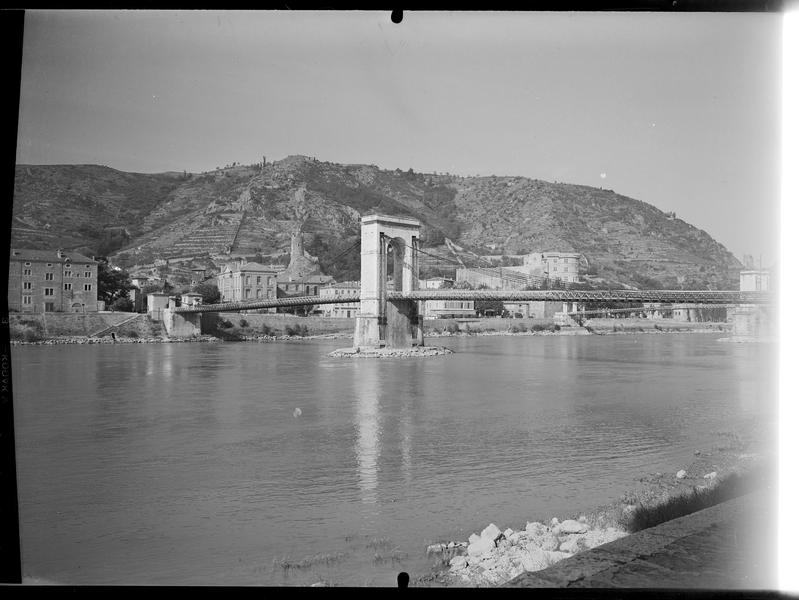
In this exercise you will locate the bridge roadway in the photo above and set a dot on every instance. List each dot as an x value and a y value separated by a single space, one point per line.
668 296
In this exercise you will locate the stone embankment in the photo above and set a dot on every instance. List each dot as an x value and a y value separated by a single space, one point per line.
390 352
109 340
494 557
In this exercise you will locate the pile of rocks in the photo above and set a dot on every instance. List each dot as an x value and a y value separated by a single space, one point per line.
496 556
416 351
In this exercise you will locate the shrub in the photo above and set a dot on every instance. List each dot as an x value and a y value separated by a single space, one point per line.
225 324
243 323
732 486
453 327
537 327
29 335
298 330
556 327
267 330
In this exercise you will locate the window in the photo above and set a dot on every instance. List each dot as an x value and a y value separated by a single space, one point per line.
258 292
316 290
26 272
49 265
247 292
67 273
258 280
26 299
48 276
307 290
87 274
67 286
27 264
49 307
48 291
27 285
247 280
87 287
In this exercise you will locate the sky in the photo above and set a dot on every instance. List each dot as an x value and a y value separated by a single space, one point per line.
679 110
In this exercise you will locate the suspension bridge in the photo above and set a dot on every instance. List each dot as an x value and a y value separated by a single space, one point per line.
390 314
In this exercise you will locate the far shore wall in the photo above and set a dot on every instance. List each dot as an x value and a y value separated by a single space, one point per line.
54 323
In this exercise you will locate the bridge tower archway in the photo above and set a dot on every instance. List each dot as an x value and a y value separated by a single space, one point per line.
389 247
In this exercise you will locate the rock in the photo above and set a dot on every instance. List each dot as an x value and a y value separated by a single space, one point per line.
451 545
555 556
436 548
474 538
550 542
458 562
508 532
515 538
681 474
582 519
491 532
536 528
572 526
571 545
504 544
481 547
554 522
535 560
711 475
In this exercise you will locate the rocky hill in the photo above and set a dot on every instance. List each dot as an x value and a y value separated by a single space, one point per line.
248 210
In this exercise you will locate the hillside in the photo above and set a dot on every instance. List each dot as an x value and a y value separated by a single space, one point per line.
250 210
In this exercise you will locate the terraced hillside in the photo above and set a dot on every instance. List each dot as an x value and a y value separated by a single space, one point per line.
252 209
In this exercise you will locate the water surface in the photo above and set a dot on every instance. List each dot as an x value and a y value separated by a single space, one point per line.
183 463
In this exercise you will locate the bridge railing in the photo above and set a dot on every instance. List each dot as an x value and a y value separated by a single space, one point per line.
679 296
667 296
270 303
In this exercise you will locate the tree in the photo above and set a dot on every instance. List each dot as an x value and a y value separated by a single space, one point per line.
111 284
122 305
482 306
209 291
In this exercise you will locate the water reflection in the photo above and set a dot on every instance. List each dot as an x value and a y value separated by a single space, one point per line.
366 383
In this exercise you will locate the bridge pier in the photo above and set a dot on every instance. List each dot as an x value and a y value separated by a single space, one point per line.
752 322
182 325
388 247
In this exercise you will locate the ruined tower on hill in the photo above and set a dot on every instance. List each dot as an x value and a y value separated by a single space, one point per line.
301 263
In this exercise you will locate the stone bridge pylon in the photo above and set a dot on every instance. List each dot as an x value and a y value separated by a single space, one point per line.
389 253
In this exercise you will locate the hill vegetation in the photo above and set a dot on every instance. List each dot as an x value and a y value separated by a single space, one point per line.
249 210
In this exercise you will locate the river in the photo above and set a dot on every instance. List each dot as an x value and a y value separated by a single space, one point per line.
185 463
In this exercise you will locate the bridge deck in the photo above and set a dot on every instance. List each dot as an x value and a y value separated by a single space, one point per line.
719 297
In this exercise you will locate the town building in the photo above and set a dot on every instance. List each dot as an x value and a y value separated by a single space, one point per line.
197 276
51 281
444 309
347 310
242 281
156 303
564 266
308 285
136 295
755 280
191 299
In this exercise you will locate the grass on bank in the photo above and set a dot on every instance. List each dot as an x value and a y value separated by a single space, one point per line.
731 486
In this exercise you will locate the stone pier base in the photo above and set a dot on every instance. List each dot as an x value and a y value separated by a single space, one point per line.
182 325
416 351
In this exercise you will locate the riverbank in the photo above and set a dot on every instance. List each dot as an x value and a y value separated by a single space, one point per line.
240 336
493 556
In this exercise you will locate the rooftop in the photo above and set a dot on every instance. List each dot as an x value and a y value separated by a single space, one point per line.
49 256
